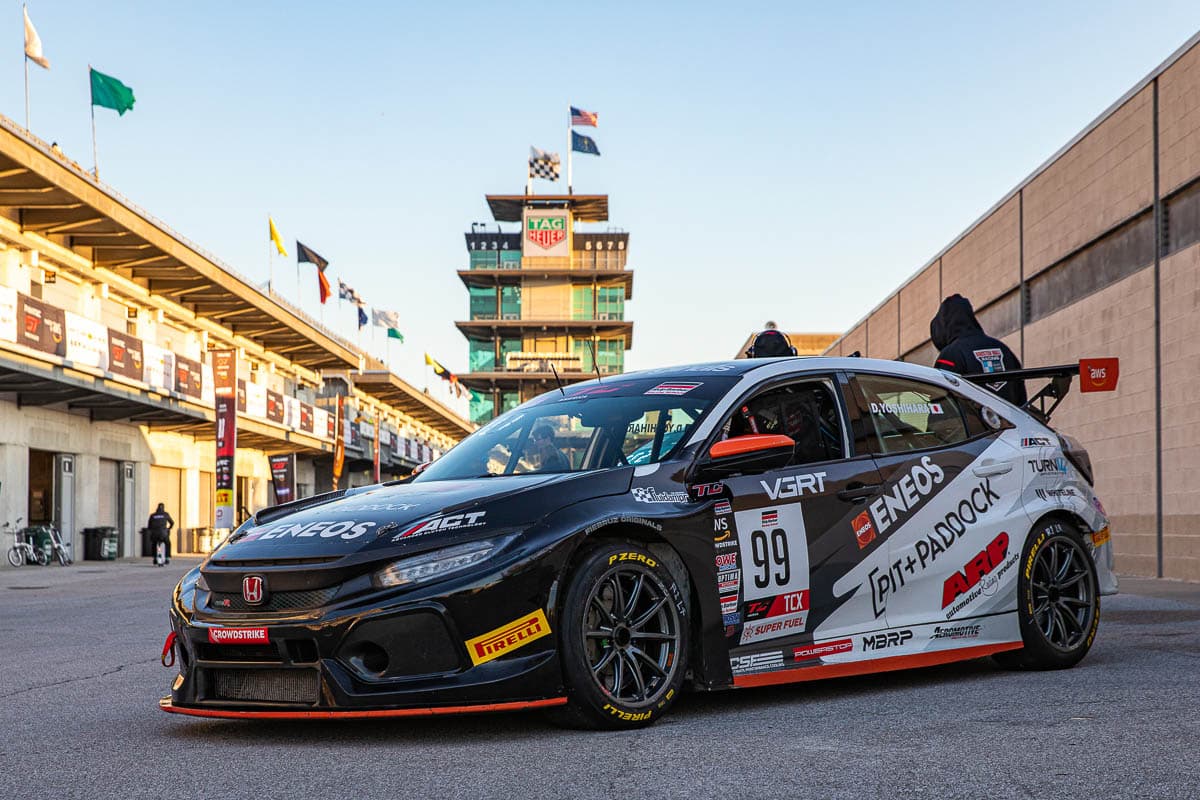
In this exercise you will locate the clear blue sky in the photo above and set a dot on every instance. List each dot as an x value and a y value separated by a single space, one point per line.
788 161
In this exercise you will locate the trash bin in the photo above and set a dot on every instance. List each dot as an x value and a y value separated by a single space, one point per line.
39 537
100 544
147 545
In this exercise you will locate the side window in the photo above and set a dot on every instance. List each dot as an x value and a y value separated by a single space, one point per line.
910 415
807 412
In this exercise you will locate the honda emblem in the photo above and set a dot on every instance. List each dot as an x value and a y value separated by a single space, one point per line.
252 589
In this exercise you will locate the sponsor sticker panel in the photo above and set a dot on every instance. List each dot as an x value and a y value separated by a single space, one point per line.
508 638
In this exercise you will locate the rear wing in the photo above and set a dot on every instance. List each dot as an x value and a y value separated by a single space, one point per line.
1095 375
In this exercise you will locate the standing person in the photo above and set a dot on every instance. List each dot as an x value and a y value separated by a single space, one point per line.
771 343
160 526
963 347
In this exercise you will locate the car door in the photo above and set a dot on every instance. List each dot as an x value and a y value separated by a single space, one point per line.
949 509
787 534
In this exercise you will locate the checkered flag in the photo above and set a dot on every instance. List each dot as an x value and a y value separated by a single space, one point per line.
543 165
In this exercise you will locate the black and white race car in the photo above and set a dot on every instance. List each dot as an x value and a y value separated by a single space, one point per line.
605 546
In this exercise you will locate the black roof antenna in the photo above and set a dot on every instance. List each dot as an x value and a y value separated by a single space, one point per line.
592 350
557 379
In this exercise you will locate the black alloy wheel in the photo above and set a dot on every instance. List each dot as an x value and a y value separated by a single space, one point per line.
623 638
1058 601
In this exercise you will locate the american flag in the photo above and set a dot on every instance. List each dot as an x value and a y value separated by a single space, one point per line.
770 519
588 119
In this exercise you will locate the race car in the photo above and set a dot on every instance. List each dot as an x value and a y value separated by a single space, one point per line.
608 545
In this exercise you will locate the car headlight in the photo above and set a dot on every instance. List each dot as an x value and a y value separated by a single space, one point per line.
438 563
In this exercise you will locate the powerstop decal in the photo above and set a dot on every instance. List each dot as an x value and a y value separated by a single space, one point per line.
508 638
773 545
817 650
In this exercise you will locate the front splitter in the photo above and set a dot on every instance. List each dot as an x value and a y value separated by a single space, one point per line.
220 713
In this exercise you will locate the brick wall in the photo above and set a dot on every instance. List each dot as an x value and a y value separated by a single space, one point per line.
1179 122
1105 178
883 341
919 301
986 263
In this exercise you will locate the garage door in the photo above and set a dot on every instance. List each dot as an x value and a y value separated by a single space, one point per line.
108 507
164 488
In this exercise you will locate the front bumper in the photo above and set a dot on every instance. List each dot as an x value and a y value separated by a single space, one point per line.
382 654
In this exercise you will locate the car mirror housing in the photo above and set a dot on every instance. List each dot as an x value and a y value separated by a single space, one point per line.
750 453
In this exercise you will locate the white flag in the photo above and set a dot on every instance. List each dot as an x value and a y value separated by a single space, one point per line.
385 319
33 44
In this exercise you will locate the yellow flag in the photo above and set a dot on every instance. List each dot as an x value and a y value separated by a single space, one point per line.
430 361
276 238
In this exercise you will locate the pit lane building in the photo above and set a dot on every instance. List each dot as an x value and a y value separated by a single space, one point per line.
107 318
1097 253
545 296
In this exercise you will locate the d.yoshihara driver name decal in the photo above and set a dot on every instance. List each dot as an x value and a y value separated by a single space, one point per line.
978 501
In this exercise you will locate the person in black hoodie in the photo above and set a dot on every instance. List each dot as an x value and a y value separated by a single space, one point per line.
964 348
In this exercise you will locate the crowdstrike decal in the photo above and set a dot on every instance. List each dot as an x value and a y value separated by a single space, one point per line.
946 532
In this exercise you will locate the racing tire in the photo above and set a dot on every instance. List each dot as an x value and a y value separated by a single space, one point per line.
1058 599
623 639
16 557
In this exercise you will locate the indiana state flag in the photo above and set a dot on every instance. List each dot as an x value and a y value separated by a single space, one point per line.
584 144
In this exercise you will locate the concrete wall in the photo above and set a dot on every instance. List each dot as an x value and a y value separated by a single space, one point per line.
1069 229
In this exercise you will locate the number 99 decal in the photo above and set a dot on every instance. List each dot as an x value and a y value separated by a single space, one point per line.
774 549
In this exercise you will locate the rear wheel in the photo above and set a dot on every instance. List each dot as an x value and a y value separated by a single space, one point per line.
1058 603
16 556
62 556
623 638
39 555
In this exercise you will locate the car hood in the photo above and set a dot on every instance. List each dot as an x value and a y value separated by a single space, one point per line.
408 515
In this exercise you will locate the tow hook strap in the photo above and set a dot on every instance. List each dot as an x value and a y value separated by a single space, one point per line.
169 650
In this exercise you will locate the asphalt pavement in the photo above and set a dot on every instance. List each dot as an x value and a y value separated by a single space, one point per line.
80 679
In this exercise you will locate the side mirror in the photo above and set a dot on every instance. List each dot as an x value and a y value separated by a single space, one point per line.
419 468
751 453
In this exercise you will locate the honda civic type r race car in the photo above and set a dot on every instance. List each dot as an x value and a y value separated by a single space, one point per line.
605 546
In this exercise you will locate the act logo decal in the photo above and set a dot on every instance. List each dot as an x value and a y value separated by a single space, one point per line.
508 638
452 522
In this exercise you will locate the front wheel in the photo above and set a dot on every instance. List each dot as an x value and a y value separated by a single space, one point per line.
39 555
1058 603
16 556
623 638
62 557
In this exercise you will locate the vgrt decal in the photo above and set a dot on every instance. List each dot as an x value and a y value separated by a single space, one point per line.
795 485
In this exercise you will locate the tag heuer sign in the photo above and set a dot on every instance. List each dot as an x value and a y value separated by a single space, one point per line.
546 232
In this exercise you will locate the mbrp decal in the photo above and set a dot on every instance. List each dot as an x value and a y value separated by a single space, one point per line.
961 518
346 529
886 639
508 638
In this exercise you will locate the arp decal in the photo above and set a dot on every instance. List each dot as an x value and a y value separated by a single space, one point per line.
973 571
507 638
965 514
820 649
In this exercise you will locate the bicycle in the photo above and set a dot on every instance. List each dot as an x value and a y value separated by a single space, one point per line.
23 551
60 550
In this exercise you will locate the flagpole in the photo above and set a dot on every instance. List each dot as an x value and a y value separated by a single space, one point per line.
27 94
95 152
570 160
270 262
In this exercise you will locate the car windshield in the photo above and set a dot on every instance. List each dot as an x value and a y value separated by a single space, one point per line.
587 427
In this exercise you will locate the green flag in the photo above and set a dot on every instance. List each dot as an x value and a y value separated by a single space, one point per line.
395 334
108 92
